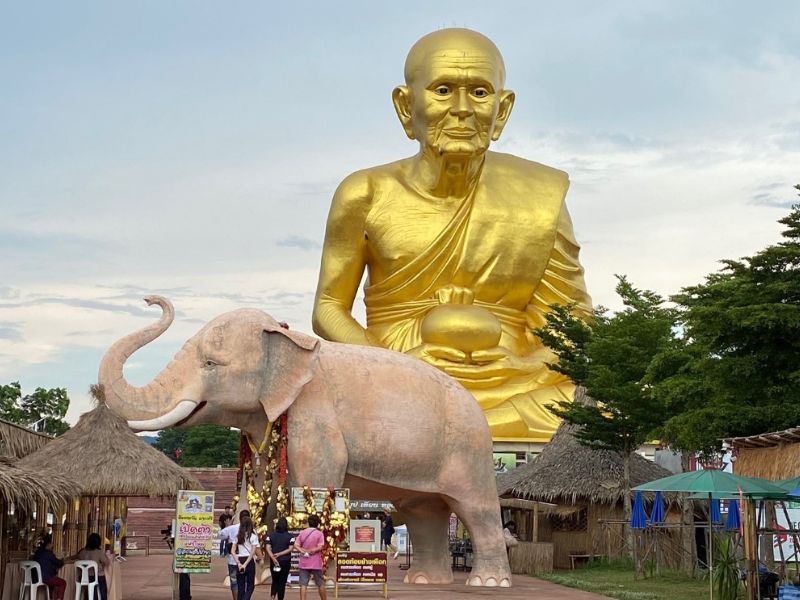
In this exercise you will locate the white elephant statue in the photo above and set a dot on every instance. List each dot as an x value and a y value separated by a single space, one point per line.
376 421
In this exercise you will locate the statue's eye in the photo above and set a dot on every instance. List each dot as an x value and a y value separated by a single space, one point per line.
480 92
441 90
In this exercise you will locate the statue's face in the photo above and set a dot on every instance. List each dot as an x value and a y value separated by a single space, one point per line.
454 99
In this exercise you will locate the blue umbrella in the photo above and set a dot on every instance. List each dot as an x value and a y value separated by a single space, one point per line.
657 514
639 517
734 520
716 513
795 492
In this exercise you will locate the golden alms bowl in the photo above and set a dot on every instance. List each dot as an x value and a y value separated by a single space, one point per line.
465 327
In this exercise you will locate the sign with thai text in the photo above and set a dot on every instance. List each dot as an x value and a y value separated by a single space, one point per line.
361 567
194 532
365 535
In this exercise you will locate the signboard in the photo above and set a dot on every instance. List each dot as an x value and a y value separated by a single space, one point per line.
365 535
358 568
194 532
504 462
370 506
341 499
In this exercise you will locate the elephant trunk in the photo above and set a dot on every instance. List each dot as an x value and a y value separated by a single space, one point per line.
149 407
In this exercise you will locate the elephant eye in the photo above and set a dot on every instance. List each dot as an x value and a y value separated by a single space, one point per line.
210 363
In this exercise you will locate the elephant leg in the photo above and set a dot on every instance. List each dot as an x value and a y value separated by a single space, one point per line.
317 457
490 562
427 520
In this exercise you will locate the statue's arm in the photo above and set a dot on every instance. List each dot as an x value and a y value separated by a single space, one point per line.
343 262
563 281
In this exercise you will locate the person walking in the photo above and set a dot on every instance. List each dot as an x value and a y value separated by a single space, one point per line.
247 552
279 549
387 531
309 544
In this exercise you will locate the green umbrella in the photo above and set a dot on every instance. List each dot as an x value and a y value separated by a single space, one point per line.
712 483
789 484
717 484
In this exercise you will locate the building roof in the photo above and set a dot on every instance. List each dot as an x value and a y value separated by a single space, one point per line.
567 471
17 441
27 486
765 440
108 459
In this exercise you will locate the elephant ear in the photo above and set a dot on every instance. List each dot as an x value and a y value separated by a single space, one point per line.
290 358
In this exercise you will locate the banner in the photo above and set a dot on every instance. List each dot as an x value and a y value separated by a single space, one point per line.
194 532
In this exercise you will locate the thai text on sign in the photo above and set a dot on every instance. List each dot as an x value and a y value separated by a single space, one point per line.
194 531
361 567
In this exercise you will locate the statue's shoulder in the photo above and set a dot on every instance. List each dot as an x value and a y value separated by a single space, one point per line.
363 183
499 164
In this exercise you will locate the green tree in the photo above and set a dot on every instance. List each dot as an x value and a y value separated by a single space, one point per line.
610 359
738 371
171 442
200 446
44 408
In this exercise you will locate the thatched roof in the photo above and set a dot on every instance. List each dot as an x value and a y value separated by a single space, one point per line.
26 486
108 459
17 441
568 472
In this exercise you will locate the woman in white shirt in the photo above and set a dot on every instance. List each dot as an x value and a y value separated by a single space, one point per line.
247 551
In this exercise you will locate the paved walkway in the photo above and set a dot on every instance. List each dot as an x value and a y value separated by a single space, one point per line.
150 578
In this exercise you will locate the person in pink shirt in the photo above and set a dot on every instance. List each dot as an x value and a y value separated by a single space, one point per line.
309 544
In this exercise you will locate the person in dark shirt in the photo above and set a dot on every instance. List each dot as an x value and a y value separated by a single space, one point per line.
50 565
279 550
387 531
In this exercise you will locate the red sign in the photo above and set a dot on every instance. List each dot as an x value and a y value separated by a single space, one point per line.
361 567
365 535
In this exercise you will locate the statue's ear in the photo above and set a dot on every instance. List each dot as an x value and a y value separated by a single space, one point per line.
401 98
504 111
290 360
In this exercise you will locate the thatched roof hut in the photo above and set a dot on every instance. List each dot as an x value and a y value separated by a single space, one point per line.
586 485
108 459
28 487
17 441
772 456
567 471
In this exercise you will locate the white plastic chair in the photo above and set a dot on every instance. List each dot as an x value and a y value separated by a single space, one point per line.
85 580
28 568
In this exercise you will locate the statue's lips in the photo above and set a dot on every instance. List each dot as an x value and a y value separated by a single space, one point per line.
460 133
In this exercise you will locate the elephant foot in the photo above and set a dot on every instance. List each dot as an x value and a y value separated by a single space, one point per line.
487 579
424 577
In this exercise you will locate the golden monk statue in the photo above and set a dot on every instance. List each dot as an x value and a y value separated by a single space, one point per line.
464 248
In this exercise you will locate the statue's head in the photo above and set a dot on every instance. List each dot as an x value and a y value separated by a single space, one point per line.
453 101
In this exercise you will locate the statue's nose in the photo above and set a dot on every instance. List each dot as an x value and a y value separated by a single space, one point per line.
461 105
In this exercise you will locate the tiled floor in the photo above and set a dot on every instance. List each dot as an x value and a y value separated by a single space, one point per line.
150 578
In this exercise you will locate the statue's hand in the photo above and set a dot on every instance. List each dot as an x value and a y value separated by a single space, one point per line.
490 368
437 355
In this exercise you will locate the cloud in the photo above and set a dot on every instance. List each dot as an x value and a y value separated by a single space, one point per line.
11 332
296 241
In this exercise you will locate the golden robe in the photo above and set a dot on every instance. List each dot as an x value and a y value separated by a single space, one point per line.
511 242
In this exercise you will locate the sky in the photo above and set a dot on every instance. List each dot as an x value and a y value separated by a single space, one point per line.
191 149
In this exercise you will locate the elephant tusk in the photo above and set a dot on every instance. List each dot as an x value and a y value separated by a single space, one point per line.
177 414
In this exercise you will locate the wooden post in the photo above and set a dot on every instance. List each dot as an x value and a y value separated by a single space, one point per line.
535 522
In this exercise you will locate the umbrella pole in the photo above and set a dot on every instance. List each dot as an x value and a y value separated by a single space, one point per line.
710 550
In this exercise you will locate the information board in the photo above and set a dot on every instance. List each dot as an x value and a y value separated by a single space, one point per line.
365 535
194 532
359 568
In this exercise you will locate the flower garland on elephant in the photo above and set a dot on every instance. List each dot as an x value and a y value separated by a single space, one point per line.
333 524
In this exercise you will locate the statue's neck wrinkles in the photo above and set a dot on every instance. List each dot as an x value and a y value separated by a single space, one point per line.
446 176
